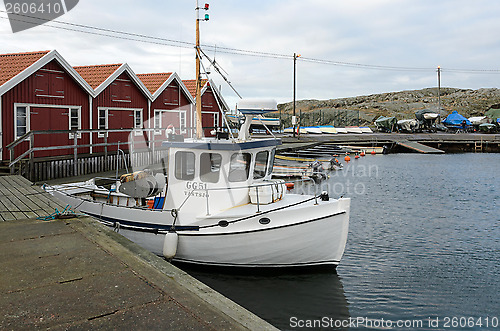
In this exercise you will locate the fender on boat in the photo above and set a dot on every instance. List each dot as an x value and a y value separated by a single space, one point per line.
170 244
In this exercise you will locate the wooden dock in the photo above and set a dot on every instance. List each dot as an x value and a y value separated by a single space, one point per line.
78 274
418 147
19 199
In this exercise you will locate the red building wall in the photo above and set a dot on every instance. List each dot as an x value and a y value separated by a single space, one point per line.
50 85
210 113
119 98
170 102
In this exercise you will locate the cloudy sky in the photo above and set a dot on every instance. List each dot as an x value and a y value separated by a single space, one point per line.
348 48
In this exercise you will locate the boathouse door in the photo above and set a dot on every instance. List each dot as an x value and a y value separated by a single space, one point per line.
45 119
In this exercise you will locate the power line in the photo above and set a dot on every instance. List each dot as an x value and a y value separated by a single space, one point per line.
123 35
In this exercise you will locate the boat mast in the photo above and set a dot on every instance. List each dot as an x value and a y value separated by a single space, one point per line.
199 128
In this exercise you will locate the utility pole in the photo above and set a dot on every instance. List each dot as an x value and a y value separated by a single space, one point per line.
199 128
439 90
294 118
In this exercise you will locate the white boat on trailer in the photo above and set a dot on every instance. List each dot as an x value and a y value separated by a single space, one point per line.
216 204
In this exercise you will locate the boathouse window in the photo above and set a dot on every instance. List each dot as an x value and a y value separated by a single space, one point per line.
239 167
157 121
21 121
102 122
182 121
260 168
137 122
210 167
184 165
74 121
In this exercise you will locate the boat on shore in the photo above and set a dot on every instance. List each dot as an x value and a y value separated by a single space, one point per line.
215 203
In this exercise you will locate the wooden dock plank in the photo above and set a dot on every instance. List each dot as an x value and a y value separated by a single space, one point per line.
14 200
41 202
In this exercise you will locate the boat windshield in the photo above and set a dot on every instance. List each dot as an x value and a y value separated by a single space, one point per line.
240 167
261 160
210 164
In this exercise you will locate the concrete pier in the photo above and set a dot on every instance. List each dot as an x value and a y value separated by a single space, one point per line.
77 274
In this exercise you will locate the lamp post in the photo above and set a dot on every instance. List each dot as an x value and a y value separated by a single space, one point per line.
294 118
439 90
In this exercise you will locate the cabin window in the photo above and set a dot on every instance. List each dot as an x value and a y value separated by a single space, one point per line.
74 121
260 168
271 162
184 165
21 121
239 167
210 167
102 122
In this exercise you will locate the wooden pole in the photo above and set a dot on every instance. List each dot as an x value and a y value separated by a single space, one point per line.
199 133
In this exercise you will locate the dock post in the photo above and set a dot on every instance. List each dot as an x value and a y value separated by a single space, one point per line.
75 155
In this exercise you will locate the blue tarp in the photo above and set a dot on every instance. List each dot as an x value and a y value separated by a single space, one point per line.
455 120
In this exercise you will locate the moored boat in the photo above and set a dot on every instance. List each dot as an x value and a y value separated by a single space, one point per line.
215 203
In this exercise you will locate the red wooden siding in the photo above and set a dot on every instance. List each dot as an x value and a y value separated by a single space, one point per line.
50 85
119 98
171 102
208 108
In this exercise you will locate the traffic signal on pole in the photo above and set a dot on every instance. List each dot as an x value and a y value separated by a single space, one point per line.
206 17
206 6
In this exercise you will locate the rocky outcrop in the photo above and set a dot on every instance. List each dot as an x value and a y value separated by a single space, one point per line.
362 110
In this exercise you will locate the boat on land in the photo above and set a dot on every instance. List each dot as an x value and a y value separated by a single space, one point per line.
215 203
328 129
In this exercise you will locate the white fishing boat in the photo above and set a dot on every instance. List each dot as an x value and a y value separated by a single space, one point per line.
216 204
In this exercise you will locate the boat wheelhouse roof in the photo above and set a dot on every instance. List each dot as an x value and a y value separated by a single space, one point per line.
222 145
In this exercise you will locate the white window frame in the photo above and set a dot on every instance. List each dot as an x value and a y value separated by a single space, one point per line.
79 116
157 116
182 118
39 105
102 134
138 128
16 136
134 111
216 120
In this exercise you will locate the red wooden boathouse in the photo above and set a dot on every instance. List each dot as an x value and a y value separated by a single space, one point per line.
41 91
121 103
172 105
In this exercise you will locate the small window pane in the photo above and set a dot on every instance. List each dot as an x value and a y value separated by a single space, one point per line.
74 119
138 119
210 167
184 165
260 164
21 121
271 161
239 167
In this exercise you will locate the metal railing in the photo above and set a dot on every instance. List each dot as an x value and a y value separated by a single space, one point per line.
76 136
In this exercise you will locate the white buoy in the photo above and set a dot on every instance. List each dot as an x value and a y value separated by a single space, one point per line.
170 244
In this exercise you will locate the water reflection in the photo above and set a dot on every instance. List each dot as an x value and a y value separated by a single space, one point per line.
281 296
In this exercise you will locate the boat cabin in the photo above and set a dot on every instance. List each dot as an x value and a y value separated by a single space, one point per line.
217 175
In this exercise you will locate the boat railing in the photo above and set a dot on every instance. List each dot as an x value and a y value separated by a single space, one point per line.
248 187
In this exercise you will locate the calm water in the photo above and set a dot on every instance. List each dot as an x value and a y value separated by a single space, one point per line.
424 242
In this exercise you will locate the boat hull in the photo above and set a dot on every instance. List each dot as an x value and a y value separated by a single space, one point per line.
298 234
314 242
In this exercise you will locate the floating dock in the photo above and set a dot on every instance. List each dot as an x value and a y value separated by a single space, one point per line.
418 147
77 274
